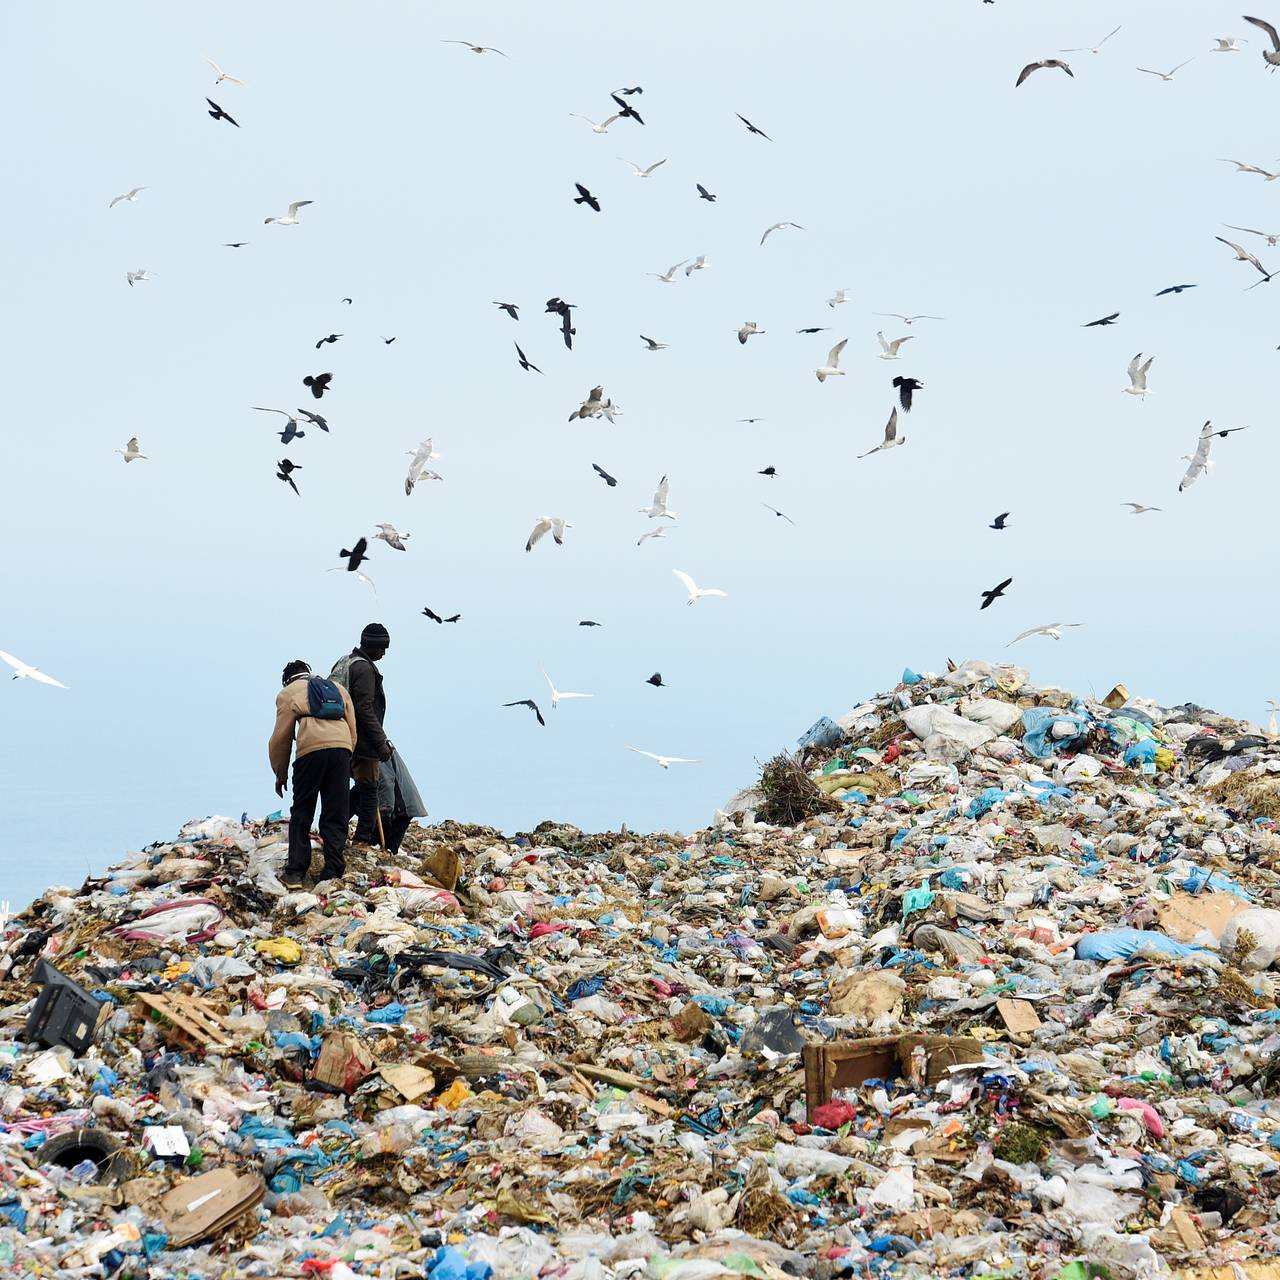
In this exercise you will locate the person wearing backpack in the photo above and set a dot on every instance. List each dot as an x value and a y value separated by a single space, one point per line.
357 672
323 716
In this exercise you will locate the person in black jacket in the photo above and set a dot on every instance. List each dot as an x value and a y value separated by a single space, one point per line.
359 673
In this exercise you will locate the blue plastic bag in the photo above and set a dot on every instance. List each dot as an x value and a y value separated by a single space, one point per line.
1120 944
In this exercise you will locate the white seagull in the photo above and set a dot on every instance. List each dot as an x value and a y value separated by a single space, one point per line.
639 172
1138 376
778 226
222 75
290 219
837 298
1165 75
891 438
477 48
1097 48
137 277
889 350
668 277
1270 56
664 762
554 525
1272 240
699 263
130 452
1243 255
659 532
832 368
358 575
602 127
652 344
1197 463
659 506
25 671
389 534
1241 167
1053 630
696 592
419 458
748 328
131 195
557 694
1228 44
1139 509
894 315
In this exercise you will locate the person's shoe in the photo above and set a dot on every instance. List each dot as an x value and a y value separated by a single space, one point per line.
293 879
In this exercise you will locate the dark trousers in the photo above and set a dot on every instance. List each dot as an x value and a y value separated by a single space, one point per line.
321 775
364 798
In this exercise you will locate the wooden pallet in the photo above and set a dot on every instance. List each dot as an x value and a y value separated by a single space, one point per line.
189 1022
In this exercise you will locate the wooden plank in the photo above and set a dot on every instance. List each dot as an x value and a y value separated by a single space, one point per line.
190 1020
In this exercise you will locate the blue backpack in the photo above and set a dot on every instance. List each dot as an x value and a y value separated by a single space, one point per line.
324 699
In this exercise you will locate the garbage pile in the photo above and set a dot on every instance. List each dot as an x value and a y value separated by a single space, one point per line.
979 982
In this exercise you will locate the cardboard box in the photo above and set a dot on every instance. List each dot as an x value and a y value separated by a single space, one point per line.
845 1064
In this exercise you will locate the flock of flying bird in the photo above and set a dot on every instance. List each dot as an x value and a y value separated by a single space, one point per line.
597 404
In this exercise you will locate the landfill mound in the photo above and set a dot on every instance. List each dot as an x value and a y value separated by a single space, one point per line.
995 1000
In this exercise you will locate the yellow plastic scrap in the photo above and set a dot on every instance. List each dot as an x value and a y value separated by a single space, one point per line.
455 1095
284 950
1164 759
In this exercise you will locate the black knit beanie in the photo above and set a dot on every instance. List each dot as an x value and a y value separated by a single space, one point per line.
375 636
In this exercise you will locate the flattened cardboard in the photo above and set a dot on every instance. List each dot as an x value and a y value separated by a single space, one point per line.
1187 914
1018 1015
208 1204
410 1082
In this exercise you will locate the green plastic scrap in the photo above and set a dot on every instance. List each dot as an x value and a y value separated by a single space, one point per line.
917 899
1082 1270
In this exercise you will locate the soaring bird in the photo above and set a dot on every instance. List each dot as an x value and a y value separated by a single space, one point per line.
389 534
832 368
130 452
628 92
554 525
752 129
428 612
1138 509
290 431
509 307
1106 320
889 350
557 694
700 263
1176 288
131 195
477 48
626 110
284 472
659 532
290 219
585 197
592 406
223 75
25 671
778 226
656 680
815 328
1040 66
1097 48
1241 167
894 315
141 276
769 471
386 341
218 114
999 521
533 706
653 344
1165 75
1198 462
891 438
1271 239
525 363
356 556
907 387
1229 44
704 194
418 460
235 244
782 515
664 762
840 295
668 277
332 338
604 475
989 597
318 382
1243 255
747 329
314 419
1270 56
696 592
600 127
588 622
1138 376
658 508
643 173
1053 630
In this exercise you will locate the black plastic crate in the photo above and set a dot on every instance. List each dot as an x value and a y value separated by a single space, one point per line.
64 1014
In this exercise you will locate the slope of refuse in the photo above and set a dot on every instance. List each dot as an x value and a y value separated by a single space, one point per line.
978 982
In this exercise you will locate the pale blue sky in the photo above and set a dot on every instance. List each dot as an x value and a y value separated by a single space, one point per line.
168 594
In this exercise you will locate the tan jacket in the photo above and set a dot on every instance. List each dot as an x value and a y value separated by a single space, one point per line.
292 709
